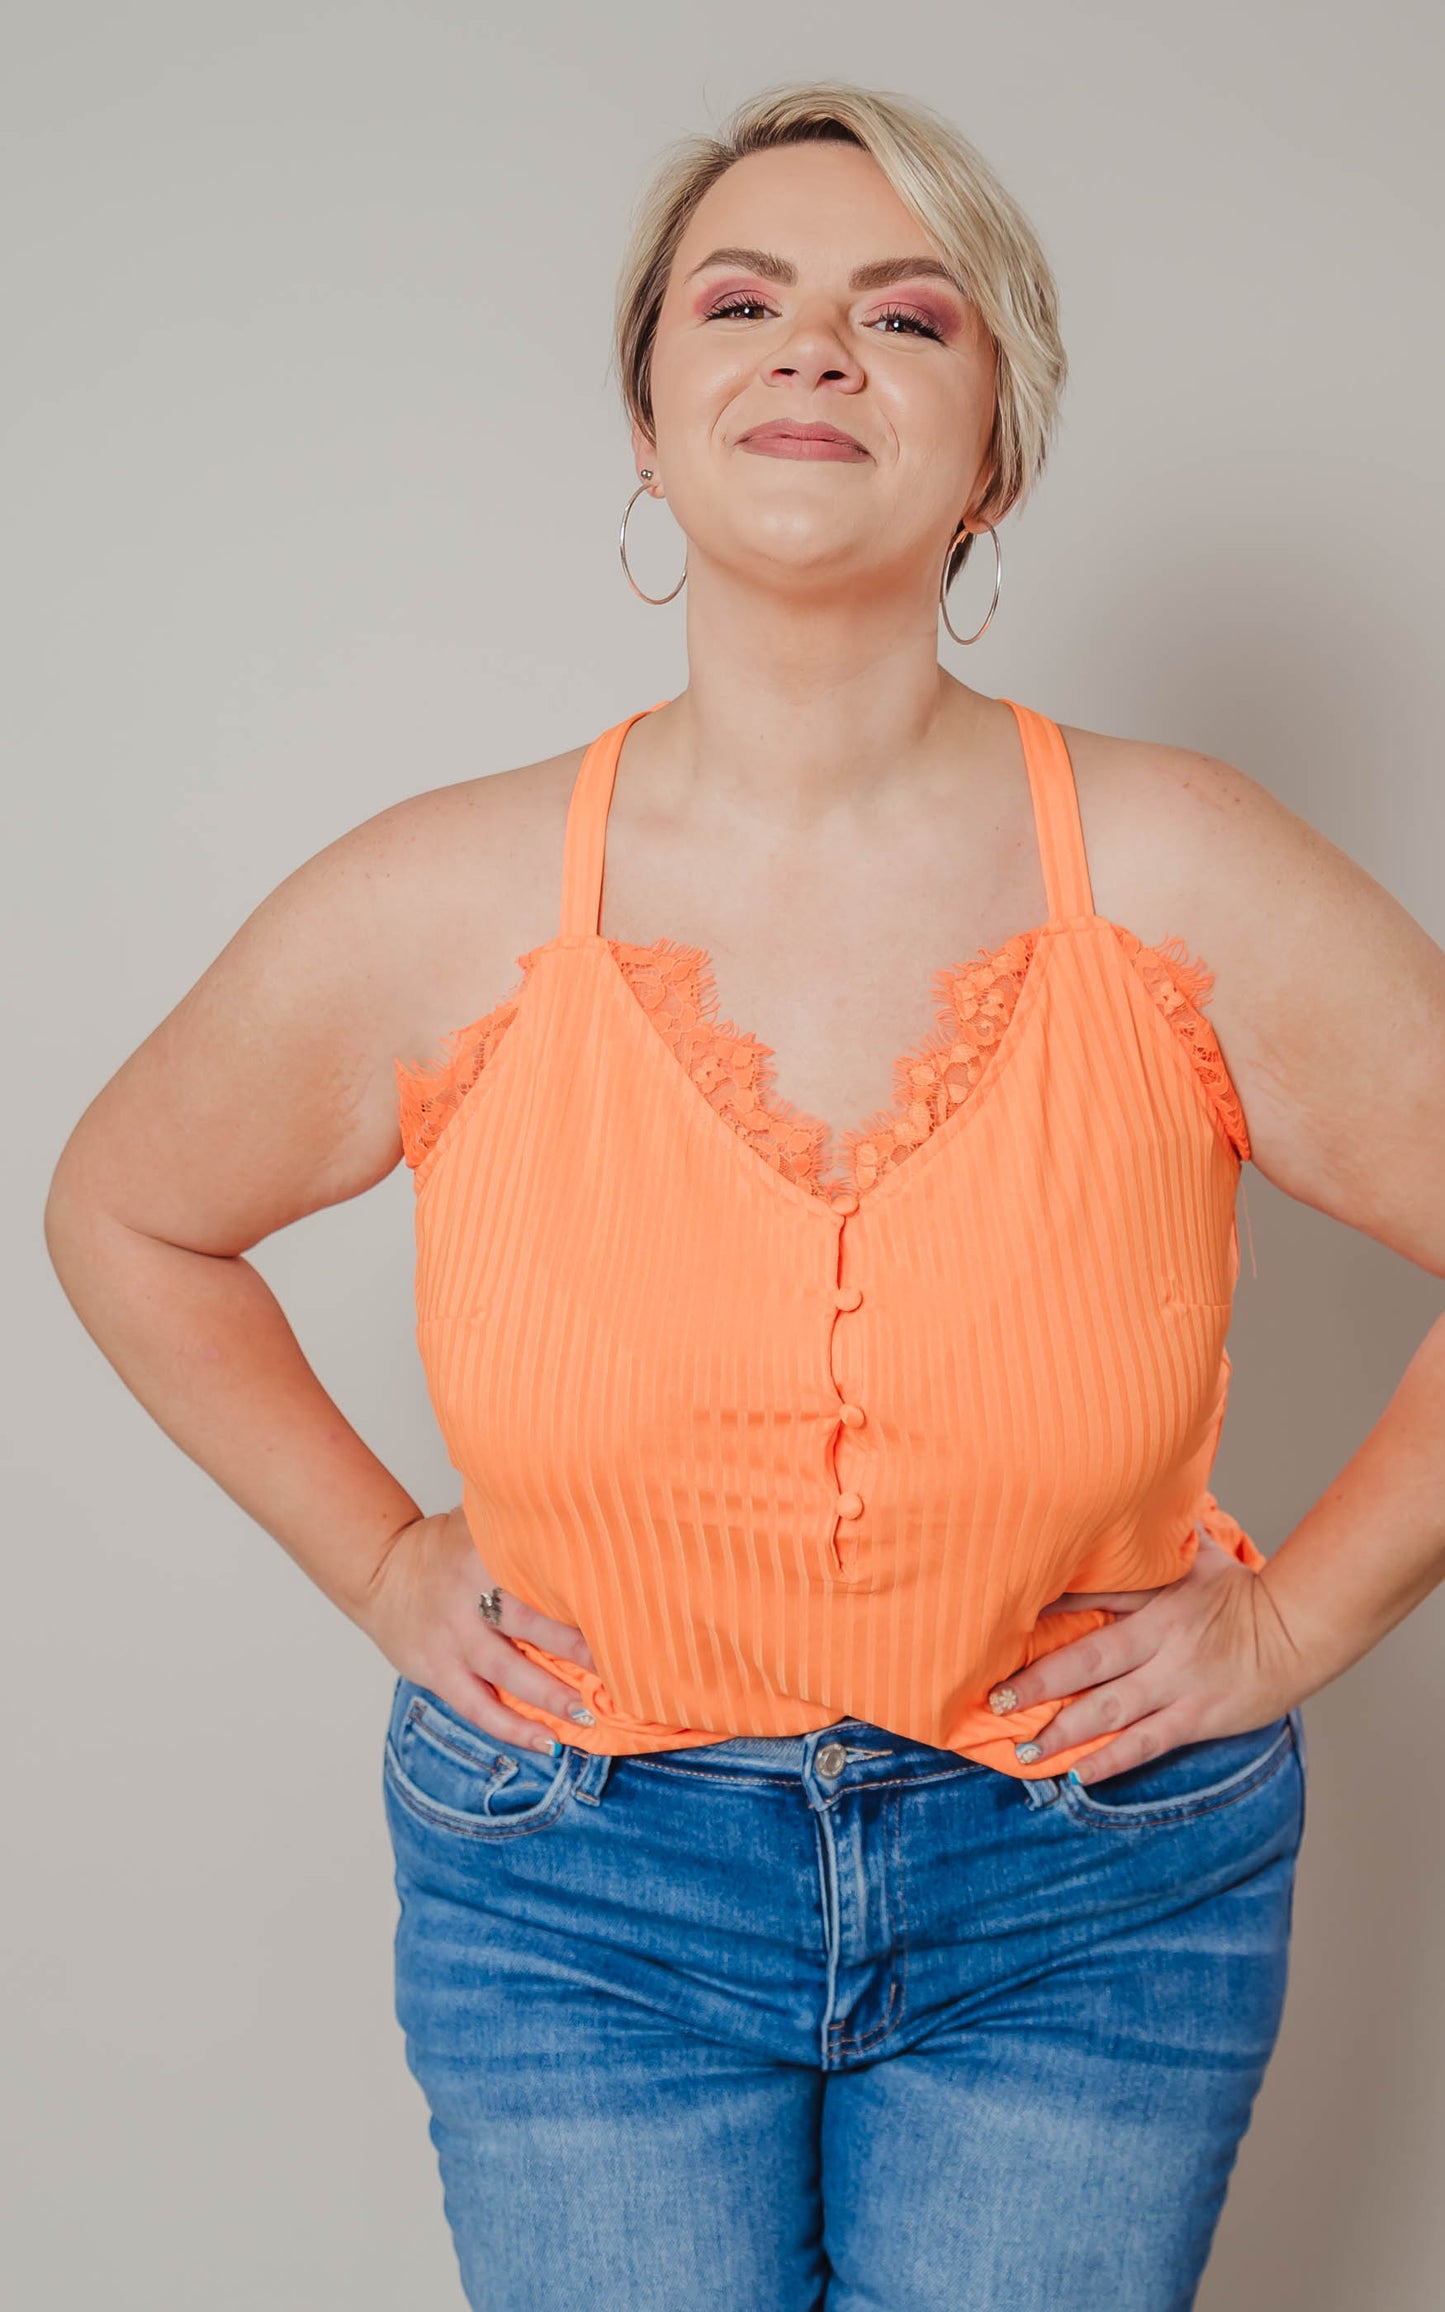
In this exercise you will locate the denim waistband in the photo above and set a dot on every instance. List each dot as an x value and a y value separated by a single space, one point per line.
795 1752
850 1752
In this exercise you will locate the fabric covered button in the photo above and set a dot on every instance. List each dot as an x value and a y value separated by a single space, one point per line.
852 1415
850 1505
847 1297
845 1201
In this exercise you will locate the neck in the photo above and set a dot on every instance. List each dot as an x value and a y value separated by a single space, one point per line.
794 707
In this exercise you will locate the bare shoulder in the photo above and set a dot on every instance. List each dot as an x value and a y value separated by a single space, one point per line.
505 805
480 863
1328 997
269 1090
1148 807
412 921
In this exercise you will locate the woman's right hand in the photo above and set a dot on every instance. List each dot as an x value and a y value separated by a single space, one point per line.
423 1615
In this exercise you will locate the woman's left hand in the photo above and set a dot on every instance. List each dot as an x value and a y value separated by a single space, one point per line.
1204 1655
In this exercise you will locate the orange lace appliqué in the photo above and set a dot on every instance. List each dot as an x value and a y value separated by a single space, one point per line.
974 1004
1181 986
734 1069
429 1093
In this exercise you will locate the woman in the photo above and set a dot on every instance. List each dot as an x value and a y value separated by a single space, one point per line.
846 1844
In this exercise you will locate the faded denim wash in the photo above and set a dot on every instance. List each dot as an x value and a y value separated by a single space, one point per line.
836 2022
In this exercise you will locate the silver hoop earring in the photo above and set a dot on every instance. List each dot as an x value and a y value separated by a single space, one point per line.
997 585
656 599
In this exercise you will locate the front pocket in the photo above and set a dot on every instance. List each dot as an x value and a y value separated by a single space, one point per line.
454 1775
1193 1778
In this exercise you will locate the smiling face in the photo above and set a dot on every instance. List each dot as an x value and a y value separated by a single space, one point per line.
804 293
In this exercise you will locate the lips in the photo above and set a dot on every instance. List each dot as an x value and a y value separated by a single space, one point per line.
795 438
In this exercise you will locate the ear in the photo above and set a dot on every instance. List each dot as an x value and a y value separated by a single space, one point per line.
982 519
989 513
644 450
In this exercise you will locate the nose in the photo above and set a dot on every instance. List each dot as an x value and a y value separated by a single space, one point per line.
816 355
809 374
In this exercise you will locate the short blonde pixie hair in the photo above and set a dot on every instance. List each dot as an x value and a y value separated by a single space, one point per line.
950 188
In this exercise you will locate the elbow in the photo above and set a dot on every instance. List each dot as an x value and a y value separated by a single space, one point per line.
68 1221
59 1218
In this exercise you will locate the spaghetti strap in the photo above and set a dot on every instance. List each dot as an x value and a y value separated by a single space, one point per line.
585 840
1056 813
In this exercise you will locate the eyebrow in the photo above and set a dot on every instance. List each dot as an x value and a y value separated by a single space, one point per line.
876 275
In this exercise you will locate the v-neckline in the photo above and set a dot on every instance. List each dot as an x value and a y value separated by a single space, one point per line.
1059 842
993 1008
824 1199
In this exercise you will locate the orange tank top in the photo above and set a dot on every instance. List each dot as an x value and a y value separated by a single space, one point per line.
791 1445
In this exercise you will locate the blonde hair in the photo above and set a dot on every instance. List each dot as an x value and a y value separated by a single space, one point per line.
951 190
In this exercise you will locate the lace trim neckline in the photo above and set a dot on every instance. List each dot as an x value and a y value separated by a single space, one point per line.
734 1069
974 1002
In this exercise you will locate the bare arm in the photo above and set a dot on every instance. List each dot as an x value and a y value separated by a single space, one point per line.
1329 1003
268 1093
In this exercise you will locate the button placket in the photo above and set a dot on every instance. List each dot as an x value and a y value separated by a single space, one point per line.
848 1504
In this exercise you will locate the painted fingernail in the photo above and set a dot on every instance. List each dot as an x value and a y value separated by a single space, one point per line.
1071 1776
1027 1752
1003 1698
547 1749
583 1717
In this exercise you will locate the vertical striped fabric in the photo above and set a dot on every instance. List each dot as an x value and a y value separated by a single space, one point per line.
787 1457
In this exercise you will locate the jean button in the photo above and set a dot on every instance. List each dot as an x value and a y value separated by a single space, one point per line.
832 1758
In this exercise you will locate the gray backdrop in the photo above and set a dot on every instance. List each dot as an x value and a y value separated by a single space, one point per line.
312 475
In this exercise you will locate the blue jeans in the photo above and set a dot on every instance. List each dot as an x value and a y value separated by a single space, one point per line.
838 2020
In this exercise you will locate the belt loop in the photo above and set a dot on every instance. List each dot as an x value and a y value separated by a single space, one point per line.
1039 1789
590 1778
